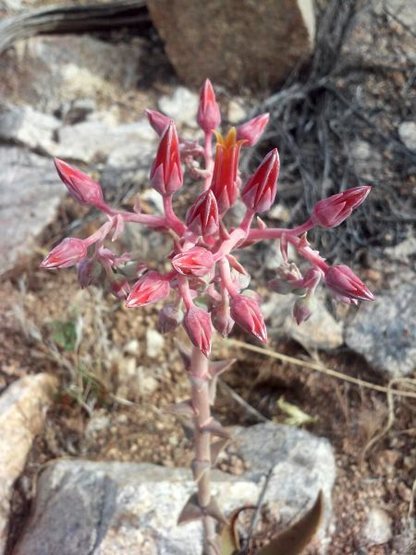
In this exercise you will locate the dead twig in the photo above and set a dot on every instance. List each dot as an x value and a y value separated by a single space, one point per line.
328 371
71 19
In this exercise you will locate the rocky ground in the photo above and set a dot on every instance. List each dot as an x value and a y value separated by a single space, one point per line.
107 377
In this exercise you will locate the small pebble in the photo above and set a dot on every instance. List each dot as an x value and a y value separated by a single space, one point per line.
377 529
154 343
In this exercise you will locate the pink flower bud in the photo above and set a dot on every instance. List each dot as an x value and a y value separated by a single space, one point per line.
80 186
301 310
150 288
158 121
251 131
166 174
260 191
169 318
224 178
68 253
196 261
198 326
209 115
221 319
202 217
333 210
346 285
246 312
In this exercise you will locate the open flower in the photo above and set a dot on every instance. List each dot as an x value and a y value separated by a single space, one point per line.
224 179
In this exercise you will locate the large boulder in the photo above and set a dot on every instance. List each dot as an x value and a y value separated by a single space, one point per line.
22 415
30 195
384 331
117 508
237 43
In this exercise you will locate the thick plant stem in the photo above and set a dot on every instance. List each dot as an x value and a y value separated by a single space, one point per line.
199 377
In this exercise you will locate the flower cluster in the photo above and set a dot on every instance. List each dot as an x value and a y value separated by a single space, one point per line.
206 286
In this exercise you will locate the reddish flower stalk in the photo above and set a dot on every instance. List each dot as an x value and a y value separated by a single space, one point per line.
206 286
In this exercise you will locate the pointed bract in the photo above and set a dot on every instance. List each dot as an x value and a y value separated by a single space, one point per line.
333 210
302 310
191 511
247 313
209 115
198 326
150 288
166 175
202 217
196 261
251 131
69 252
158 121
260 190
80 186
346 285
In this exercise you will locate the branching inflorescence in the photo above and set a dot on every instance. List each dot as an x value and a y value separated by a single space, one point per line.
206 287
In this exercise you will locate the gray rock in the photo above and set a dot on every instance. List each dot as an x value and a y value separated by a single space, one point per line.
402 9
182 106
79 110
321 331
365 25
135 381
30 193
56 70
120 147
22 415
402 251
118 508
378 527
155 199
407 134
28 127
214 41
384 331
302 463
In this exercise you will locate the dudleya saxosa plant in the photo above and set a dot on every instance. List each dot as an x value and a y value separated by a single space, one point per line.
206 287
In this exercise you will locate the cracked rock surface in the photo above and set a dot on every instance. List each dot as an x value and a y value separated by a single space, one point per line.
105 508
